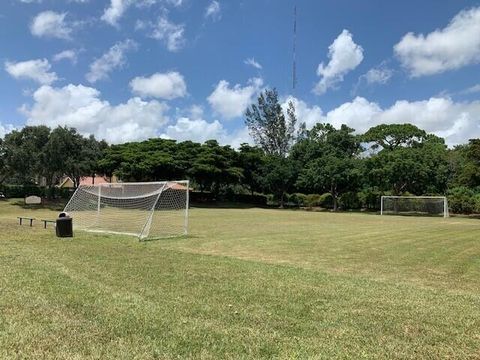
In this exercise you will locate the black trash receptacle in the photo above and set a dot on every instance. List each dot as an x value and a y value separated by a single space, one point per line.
64 226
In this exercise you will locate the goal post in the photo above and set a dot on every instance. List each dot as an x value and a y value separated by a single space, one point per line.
414 205
142 209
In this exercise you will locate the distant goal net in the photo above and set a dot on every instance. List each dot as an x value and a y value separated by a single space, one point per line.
414 205
145 210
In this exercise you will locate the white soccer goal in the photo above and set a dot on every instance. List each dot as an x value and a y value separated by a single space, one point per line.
145 210
414 205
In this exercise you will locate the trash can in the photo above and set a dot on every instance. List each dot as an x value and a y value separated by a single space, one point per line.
64 226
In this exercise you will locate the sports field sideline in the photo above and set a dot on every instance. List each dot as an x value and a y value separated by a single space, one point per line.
247 283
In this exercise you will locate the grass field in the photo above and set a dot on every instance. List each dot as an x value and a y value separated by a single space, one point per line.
247 283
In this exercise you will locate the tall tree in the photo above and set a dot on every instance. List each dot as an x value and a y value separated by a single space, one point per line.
269 127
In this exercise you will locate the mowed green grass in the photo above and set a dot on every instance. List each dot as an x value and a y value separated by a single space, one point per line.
247 283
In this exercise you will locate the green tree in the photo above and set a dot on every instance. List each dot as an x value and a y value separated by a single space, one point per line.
331 173
269 127
22 152
328 157
414 164
251 159
278 176
69 153
469 172
393 136
215 166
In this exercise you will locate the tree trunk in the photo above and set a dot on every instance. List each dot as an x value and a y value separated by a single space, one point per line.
281 200
335 202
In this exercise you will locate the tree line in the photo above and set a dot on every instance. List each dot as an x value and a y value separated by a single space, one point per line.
290 165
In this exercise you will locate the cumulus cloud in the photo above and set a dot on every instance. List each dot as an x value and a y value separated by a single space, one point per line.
70 55
51 24
232 101
196 128
171 34
81 107
304 113
37 70
252 62
113 59
455 121
344 56
168 86
213 11
455 46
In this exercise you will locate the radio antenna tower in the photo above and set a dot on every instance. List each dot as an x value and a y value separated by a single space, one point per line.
294 65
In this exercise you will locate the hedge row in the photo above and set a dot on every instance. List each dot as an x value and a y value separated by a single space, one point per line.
22 191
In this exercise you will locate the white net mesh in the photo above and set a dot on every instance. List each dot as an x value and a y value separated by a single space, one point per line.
414 205
146 210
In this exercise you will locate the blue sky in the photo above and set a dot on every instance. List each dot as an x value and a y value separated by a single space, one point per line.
127 70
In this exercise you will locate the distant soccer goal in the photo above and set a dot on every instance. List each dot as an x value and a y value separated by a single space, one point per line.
414 205
145 210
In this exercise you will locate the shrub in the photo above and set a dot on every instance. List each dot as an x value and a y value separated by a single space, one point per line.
350 200
370 198
298 199
312 200
462 200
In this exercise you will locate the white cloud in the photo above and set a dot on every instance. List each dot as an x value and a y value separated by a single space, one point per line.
51 24
455 46
118 8
252 62
194 129
344 56
115 11
5 129
231 102
171 34
70 55
168 86
472 90
455 121
305 114
113 59
380 75
213 10
81 107
37 70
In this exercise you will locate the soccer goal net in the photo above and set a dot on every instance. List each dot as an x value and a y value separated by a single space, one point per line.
414 205
145 210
